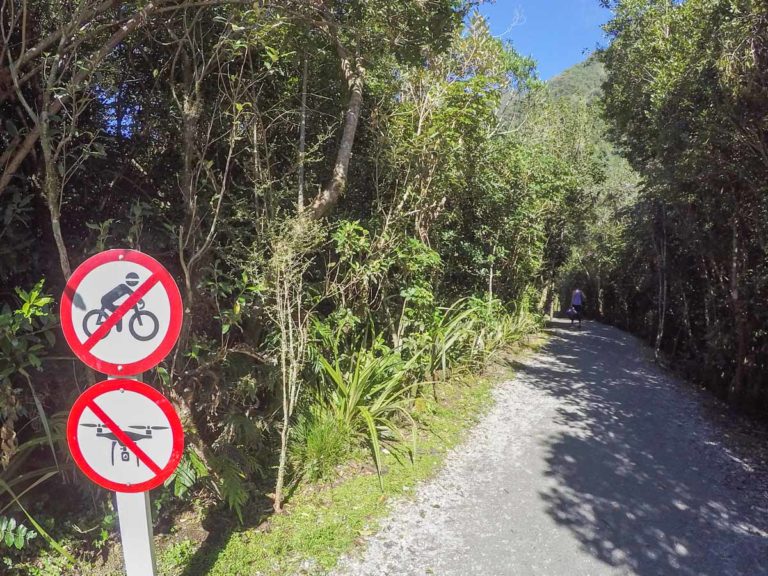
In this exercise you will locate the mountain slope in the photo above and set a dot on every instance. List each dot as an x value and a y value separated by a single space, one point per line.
582 81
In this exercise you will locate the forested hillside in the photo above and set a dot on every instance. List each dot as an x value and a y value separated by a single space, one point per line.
582 81
348 217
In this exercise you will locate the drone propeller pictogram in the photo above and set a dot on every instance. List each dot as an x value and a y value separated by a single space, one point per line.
125 456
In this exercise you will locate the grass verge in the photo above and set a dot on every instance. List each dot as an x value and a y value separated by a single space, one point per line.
322 522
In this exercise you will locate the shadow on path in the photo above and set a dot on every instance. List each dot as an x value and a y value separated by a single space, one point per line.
646 475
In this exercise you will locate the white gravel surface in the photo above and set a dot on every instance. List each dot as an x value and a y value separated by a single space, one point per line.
592 461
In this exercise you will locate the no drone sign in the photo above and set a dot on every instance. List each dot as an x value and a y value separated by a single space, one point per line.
125 436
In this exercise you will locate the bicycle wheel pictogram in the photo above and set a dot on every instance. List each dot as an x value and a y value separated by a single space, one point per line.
143 325
93 320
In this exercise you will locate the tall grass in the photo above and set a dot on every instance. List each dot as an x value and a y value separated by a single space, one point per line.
449 337
320 441
471 330
366 392
494 327
370 396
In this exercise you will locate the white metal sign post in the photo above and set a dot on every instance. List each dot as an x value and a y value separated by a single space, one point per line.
121 314
136 535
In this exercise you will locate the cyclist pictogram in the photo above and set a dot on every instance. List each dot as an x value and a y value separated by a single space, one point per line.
143 325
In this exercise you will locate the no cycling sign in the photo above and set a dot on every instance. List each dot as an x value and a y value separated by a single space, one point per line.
121 312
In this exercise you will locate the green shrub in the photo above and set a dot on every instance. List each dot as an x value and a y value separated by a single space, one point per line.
319 443
13 535
370 394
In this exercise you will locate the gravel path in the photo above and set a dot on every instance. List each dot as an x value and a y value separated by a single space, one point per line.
592 462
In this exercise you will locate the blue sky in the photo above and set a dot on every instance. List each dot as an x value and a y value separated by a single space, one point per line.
556 33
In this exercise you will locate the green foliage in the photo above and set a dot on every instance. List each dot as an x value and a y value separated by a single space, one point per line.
208 137
16 240
351 240
686 98
16 501
325 523
584 81
231 486
13 535
25 332
467 333
177 556
25 336
495 327
449 336
319 443
369 395
487 188
191 469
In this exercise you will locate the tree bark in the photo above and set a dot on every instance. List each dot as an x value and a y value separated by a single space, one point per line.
662 285
278 505
599 295
302 135
736 391
332 191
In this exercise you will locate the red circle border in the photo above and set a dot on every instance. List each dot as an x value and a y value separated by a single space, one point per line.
140 388
165 279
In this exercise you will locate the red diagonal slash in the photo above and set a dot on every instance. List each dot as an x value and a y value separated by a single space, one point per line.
121 311
123 438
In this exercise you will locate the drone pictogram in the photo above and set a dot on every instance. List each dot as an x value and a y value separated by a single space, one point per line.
125 455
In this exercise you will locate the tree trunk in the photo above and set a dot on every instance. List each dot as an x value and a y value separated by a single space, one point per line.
736 391
333 190
52 190
278 506
302 135
490 288
662 285
599 296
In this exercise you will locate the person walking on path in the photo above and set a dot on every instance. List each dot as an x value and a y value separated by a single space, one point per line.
577 301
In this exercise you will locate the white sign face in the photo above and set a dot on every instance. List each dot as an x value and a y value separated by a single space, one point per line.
140 331
142 421
125 435
121 312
